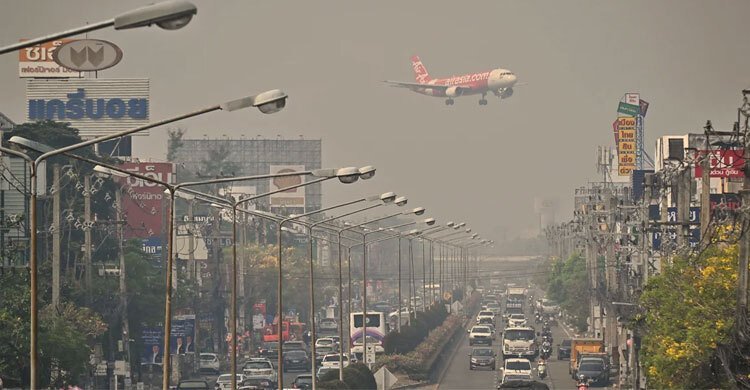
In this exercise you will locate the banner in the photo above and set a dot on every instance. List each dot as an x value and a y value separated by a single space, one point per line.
626 145
142 200
153 340
628 109
39 61
182 334
723 163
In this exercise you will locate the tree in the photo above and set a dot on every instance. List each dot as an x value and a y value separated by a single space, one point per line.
689 310
568 284
175 142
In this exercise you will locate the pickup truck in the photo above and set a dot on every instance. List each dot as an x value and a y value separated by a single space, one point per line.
480 335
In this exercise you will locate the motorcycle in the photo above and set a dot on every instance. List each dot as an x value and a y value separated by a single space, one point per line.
542 369
583 383
546 350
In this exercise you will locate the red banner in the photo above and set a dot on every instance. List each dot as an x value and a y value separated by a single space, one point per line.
142 200
723 162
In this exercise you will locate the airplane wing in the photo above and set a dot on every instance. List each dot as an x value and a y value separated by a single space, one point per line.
403 84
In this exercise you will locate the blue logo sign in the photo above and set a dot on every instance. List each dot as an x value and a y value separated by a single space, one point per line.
79 107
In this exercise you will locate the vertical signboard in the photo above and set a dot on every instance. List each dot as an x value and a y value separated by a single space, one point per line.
142 200
626 145
294 198
152 339
183 334
39 61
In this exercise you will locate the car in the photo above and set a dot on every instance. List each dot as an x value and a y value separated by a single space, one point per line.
337 339
321 352
516 320
506 378
322 371
294 345
257 384
328 325
519 366
595 369
382 307
224 381
303 381
260 368
332 360
296 360
563 350
325 342
486 314
269 350
480 335
209 362
486 321
482 357
193 384
494 306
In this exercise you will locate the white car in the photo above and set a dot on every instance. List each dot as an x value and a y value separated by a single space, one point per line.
332 360
480 334
224 381
259 368
328 324
516 320
486 314
209 362
517 366
325 342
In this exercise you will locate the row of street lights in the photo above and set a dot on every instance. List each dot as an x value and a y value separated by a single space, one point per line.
173 15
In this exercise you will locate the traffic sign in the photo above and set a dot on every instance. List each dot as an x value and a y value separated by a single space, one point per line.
370 354
384 379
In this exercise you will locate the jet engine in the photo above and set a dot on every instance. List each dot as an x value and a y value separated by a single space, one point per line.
508 92
453 91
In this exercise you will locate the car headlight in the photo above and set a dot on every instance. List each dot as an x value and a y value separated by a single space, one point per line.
473 360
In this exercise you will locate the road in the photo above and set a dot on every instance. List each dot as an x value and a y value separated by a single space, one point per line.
458 376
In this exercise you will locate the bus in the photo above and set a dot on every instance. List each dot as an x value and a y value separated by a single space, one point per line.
377 328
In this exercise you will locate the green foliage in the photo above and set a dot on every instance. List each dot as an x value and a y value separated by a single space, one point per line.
356 376
411 335
175 142
689 309
568 285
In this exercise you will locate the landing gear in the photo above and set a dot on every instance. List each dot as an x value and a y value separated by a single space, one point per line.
483 100
448 102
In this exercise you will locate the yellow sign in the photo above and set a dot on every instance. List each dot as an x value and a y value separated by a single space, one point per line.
447 296
625 170
626 147
626 135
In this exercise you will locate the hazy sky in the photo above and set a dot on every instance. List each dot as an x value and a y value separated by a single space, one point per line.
481 164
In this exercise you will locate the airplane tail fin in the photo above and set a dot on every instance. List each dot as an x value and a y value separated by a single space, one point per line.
420 72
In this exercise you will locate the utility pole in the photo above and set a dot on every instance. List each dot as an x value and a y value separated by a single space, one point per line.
191 244
123 287
742 281
56 228
683 207
87 236
706 184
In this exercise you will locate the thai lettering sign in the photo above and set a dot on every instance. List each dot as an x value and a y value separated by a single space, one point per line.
96 107
142 200
626 145
39 61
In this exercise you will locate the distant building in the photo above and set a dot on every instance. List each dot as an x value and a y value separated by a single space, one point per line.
259 157
14 184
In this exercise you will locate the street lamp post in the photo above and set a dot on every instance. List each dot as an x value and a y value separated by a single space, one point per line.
169 15
267 102
346 176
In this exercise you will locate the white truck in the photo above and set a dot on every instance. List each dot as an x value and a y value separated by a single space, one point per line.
515 297
520 342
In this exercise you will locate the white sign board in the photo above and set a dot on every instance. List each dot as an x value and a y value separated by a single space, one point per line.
370 354
289 198
120 368
633 98
385 379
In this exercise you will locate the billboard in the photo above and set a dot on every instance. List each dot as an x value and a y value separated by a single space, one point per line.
626 145
142 200
96 107
152 339
289 198
182 334
39 61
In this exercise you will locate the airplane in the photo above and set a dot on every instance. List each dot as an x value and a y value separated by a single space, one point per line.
498 81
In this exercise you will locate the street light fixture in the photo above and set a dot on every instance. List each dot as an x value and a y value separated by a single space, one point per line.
169 15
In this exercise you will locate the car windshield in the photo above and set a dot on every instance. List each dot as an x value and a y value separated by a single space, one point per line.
228 377
482 352
520 365
481 329
334 358
486 313
295 354
324 342
257 365
323 350
514 310
519 335
517 316
591 366
208 357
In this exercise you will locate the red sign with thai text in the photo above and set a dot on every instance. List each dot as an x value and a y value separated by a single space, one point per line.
723 162
142 200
